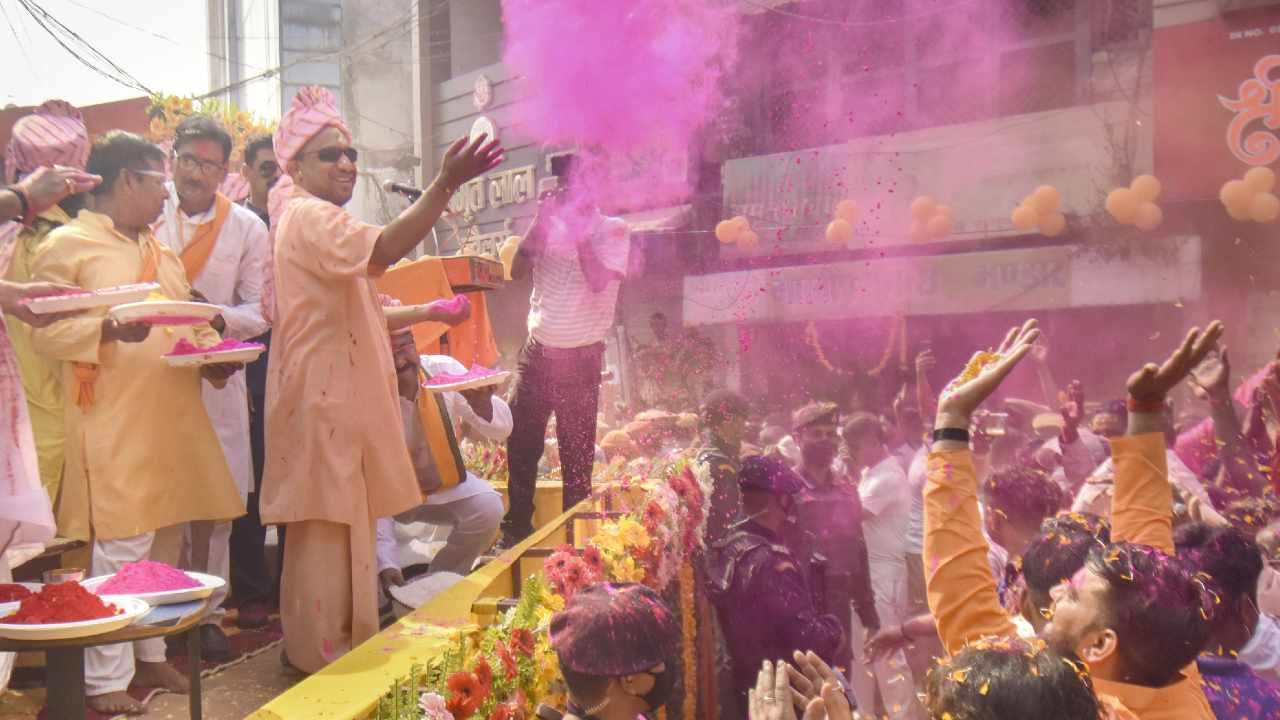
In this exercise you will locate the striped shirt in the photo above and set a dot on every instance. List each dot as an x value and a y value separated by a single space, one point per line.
563 310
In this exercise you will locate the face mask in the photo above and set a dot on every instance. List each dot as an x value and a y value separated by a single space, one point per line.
663 685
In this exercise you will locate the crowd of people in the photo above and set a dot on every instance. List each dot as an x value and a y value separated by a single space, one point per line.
918 556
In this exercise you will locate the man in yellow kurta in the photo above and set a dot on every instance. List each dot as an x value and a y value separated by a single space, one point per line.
336 454
141 454
54 134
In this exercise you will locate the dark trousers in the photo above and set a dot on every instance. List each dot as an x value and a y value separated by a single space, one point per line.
250 579
567 383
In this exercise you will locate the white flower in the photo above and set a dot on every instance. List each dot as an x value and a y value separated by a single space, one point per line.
433 707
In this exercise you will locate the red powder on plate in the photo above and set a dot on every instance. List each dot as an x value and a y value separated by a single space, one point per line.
12 592
146 576
61 603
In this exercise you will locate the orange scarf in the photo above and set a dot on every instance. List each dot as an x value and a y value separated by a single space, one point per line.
198 251
438 432
87 373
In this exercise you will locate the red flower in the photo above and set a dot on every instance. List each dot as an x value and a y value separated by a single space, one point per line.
484 673
653 515
508 660
467 695
573 575
592 559
523 642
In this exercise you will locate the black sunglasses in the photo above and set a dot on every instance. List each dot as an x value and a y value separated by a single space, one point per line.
331 155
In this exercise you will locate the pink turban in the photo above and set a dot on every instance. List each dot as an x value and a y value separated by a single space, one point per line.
52 135
313 109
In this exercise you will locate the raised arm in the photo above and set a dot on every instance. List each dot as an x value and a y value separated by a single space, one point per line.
462 162
962 591
1213 376
1142 511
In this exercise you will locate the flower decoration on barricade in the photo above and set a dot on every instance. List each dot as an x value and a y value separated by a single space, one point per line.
651 532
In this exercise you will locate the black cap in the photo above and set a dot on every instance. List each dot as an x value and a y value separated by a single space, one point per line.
614 630
770 474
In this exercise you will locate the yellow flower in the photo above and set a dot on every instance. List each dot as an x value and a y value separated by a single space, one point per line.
609 539
627 571
187 106
633 533
554 603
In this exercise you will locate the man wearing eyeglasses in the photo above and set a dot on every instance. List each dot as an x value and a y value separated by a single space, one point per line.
141 453
223 249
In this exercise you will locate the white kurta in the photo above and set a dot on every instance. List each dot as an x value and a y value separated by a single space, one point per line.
232 278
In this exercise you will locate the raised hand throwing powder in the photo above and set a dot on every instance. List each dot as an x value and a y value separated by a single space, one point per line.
61 603
146 576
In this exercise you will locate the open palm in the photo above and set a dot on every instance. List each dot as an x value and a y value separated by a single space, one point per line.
1152 382
963 396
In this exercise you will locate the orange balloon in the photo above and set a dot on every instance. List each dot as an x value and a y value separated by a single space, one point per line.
939 226
1260 179
749 240
1238 197
847 210
1046 199
1149 216
919 231
1265 208
1053 224
1147 187
944 210
742 223
727 231
839 232
1024 217
1122 204
923 207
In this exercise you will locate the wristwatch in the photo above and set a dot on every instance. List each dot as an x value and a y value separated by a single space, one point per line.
953 434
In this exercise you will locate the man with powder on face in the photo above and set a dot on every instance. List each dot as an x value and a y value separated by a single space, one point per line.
336 453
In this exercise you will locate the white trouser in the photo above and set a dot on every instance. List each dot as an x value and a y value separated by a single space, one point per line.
206 548
472 521
109 668
891 675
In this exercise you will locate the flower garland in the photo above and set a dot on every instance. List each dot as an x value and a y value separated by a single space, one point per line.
510 667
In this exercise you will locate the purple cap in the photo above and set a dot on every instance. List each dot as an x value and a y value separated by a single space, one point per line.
614 630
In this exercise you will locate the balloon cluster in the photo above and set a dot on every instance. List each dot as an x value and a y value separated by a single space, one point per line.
929 220
1041 209
1136 204
840 229
737 230
507 254
1251 198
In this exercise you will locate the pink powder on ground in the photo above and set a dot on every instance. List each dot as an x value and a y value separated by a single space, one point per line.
146 576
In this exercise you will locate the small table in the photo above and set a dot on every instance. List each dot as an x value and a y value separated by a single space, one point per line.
64 663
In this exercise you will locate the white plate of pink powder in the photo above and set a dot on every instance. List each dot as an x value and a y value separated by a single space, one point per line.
476 377
156 583
186 354
164 312
103 297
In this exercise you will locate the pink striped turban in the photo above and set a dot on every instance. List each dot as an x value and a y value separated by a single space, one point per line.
52 135
313 110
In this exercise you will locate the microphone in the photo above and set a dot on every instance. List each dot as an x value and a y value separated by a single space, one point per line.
408 191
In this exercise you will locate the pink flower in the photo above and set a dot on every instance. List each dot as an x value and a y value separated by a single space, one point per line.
433 707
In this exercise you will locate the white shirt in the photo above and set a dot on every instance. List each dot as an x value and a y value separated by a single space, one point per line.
460 415
886 506
917 473
1262 652
1096 493
564 312
232 279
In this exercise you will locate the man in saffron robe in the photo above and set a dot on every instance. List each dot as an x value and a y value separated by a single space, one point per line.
336 453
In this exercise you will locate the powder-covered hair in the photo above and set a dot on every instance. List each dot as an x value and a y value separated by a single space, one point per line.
1230 558
1059 551
1158 607
1010 679
1022 494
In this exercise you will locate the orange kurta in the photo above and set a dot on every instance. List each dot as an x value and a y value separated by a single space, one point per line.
962 591
333 415
336 454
